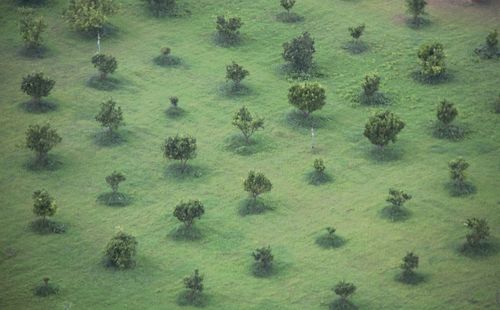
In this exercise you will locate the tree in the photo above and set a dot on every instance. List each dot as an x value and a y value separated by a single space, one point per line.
416 8
344 290
319 166
457 172
410 262
446 112
371 85
479 231
307 97
187 212
114 179
236 73
397 198
287 4
194 286
89 15
174 100
161 7
121 250
299 52
432 60
43 204
37 86
383 128
110 116
256 183
228 29
180 148
492 42
357 32
263 259
31 28
41 139
245 122
106 64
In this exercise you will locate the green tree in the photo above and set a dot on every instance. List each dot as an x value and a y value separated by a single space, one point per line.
121 250
43 204
383 128
432 58
319 166
263 259
344 290
457 172
89 15
492 42
410 262
31 28
416 8
479 231
371 85
194 286
446 112
41 139
187 212
287 4
357 32
161 7
228 29
307 97
106 64
299 52
37 86
397 198
256 183
114 180
110 116
236 73
180 148
247 123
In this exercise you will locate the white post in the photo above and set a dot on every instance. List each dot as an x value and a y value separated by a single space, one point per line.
312 138
98 42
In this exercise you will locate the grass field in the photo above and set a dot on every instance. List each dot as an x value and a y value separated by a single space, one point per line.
352 202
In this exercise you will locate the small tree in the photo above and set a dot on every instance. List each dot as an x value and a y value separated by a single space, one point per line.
114 179
287 4
457 172
37 86
256 183
432 60
31 28
410 262
446 112
397 198
236 73
45 289
228 29
41 139
383 128
247 123
161 7
194 286
89 15
121 250
357 32
299 52
416 8
307 97
180 148
105 64
492 42
263 259
43 204
174 100
479 231
187 212
319 166
110 116
370 85
344 290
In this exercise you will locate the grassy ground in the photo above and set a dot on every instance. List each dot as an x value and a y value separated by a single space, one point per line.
352 202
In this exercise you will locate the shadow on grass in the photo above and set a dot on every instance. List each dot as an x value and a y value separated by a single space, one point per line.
45 226
289 17
168 61
238 145
250 206
386 154
229 89
222 41
356 47
318 178
340 304
184 233
38 108
484 250
419 23
108 84
176 171
431 80
461 190
106 138
52 163
33 53
199 301
297 119
327 241
114 199
287 71
395 214
411 279
379 98
45 289
450 132
174 112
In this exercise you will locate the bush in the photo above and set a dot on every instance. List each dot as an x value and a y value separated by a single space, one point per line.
41 139
43 205
383 128
330 239
319 165
458 177
299 52
256 183
236 73
166 58
287 4
31 28
161 7
432 61
194 286
37 86
490 48
228 29
263 260
187 212
397 198
121 250
307 97
318 176
89 15
446 112
344 290
479 232
180 148
174 100
45 289
105 64
110 116
357 32
114 179
247 123
370 94
416 8
410 262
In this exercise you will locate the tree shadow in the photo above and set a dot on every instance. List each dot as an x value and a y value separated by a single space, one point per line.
199 301
238 145
38 108
46 226
452 132
340 304
114 199
108 84
318 178
386 154
288 71
176 171
168 61
377 99
184 233
174 112
33 52
395 214
431 80
250 206
326 241
411 279
356 47
297 119
229 89
289 17
419 23
461 190
52 163
483 250
107 138
222 41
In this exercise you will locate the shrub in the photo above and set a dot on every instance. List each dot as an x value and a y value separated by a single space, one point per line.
432 60
318 176
45 289
371 85
41 139
31 28
174 100
416 8
397 198
479 231
410 262
458 176
287 4
383 128
187 212
114 179
37 86
105 64
194 286
319 165
166 58
236 73
344 290
490 49
228 29
446 112
256 183
299 52
89 15
307 97
180 148
357 32
263 259
121 250
43 204
110 116
247 123
161 7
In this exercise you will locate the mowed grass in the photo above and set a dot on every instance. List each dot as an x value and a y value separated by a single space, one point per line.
352 202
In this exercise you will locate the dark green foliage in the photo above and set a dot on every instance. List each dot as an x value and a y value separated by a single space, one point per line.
432 61
319 176
236 73
37 86
397 198
458 177
41 139
479 232
446 112
110 116
89 15
45 289
187 212
121 250
410 262
370 94
319 165
263 260
247 123
299 52
194 287
490 48
228 29
31 28
357 32
307 97
416 8
105 64
43 204
180 148
114 180
161 7
344 290
287 4
383 128
174 100
256 183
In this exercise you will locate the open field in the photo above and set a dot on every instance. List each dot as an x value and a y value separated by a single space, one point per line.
352 202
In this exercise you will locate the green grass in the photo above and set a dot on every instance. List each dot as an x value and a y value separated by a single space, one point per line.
298 212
